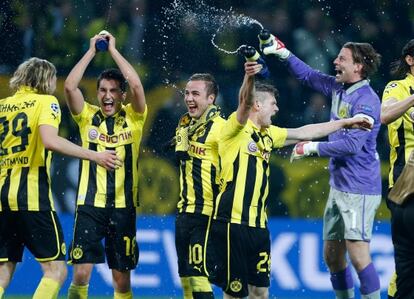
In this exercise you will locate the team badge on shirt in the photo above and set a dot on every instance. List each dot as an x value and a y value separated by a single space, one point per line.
120 121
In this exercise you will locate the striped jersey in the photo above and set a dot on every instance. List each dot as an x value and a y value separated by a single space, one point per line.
121 132
244 159
199 182
400 131
24 161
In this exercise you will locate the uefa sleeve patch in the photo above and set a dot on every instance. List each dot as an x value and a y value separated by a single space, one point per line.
55 108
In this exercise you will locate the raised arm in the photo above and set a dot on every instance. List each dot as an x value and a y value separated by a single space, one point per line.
393 109
247 90
300 70
73 95
52 141
134 82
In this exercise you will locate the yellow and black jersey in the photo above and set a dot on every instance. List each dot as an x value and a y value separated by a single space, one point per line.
244 159
400 131
121 132
199 175
24 161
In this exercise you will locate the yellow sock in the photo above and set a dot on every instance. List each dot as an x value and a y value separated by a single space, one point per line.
1 292
392 287
186 285
47 288
78 292
127 295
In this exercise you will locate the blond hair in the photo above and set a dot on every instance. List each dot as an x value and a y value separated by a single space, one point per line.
36 73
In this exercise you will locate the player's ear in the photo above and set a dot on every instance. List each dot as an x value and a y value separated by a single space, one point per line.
257 104
358 68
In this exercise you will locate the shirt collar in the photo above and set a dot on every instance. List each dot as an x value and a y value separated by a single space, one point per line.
26 89
356 86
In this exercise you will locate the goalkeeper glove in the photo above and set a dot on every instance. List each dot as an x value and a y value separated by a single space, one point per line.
269 44
304 149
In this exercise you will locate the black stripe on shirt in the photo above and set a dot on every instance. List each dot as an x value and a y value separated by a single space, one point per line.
5 192
262 200
91 190
249 187
197 185
128 189
44 201
22 196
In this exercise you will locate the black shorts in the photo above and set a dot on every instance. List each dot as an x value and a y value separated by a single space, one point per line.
39 231
402 223
116 226
190 238
238 255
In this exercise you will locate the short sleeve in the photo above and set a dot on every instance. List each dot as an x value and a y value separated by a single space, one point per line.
278 135
393 90
137 118
50 113
232 127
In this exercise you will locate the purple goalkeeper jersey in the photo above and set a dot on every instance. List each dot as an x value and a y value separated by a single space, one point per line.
354 165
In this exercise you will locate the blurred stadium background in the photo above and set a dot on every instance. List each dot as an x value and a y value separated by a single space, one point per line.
59 30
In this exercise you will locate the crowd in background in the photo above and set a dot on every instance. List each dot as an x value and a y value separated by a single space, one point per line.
315 30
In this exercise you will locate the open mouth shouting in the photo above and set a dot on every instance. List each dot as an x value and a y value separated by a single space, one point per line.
192 109
107 105
338 73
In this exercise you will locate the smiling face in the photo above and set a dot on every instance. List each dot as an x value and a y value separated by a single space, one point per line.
196 98
110 96
267 107
347 71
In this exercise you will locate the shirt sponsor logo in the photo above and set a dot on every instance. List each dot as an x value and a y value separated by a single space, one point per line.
197 150
115 138
94 134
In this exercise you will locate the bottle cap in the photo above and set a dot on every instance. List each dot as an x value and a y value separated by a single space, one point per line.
247 51
101 44
264 35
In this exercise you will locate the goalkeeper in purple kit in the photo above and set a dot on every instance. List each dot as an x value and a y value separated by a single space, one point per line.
355 180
